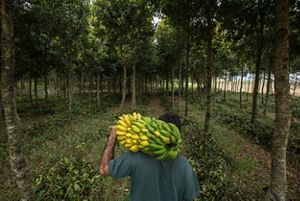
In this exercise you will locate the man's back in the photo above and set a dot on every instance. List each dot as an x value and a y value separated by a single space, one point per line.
154 180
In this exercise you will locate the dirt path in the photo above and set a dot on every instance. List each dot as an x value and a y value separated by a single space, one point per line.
154 106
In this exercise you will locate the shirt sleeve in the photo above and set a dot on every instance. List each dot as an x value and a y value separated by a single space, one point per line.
191 189
121 166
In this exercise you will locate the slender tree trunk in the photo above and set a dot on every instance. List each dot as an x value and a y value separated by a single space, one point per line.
98 90
225 87
123 88
133 85
187 77
17 160
241 86
35 80
255 89
70 90
81 83
268 84
209 69
215 85
46 87
295 85
278 189
30 91
262 88
172 87
180 78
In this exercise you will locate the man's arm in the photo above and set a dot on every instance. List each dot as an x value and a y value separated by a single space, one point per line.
108 153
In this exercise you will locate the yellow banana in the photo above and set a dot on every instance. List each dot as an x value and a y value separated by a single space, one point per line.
129 141
135 137
127 145
144 137
127 120
144 143
134 148
121 128
119 132
122 137
123 142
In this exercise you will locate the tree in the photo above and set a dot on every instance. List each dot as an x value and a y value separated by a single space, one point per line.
278 189
12 120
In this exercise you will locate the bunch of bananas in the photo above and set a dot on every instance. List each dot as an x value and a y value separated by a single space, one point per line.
152 136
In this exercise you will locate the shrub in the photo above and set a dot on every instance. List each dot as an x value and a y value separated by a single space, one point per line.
71 179
209 164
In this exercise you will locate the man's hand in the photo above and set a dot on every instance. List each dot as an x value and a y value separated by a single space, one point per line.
108 153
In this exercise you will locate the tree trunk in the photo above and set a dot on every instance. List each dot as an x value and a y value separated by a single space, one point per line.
17 160
295 85
81 84
255 89
35 80
30 91
187 77
70 90
180 78
46 87
209 70
172 87
241 87
278 189
123 88
133 85
268 84
262 88
98 90
225 87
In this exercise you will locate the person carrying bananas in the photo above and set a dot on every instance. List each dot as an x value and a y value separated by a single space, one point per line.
151 179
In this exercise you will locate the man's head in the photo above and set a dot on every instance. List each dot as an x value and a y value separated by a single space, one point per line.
171 118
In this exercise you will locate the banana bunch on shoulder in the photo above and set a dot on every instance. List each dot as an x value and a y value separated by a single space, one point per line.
154 137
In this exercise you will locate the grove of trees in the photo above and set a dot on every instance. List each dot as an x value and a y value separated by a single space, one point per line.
90 48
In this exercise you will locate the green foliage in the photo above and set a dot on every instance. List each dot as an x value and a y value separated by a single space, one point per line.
260 131
210 166
71 179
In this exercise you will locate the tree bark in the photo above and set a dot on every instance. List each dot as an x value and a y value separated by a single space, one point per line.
30 91
209 69
17 160
262 88
133 85
187 77
268 84
172 87
241 87
70 90
295 85
256 82
35 80
123 88
278 188
98 90
225 87
180 82
46 87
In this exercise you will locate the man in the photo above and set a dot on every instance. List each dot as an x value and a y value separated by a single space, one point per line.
151 179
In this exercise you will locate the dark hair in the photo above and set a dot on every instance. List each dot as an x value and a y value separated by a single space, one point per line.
171 118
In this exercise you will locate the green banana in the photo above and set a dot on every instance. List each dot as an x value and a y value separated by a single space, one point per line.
136 129
162 156
148 120
176 132
150 128
165 133
159 152
156 146
139 125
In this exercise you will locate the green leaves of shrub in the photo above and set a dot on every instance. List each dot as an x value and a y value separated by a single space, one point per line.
71 179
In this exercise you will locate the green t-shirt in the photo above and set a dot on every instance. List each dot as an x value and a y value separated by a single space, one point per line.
154 180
